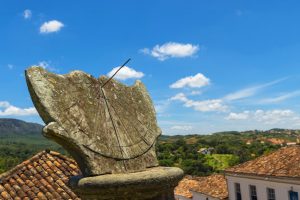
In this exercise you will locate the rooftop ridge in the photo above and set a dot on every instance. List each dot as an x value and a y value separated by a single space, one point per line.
33 158
280 163
63 157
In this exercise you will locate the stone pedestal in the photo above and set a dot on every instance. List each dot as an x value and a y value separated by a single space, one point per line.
155 183
109 128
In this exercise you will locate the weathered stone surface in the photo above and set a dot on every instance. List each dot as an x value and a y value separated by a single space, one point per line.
109 129
156 183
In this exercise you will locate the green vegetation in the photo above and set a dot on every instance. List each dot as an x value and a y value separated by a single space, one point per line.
228 148
16 148
221 161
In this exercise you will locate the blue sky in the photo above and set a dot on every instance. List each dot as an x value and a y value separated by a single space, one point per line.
208 65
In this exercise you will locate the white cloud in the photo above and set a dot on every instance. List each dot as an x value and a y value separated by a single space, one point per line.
6 109
197 81
171 50
238 116
273 116
27 14
4 104
51 26
266 116
247 92
195 92
202 106
207 105
281 97
182 128
179 97
241 94
46 65
125 73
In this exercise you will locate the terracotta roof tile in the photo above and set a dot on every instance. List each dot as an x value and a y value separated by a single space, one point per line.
184 186
281 163
44 176
214 185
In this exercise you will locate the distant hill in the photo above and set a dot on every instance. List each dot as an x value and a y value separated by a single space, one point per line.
19 127
274 131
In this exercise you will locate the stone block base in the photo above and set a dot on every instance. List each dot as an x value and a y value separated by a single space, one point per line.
155 183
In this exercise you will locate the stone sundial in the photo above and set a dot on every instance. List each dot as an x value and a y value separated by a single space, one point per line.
110 129
116 124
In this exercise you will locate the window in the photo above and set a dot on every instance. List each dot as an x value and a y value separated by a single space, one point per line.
293 195
238 194
253 194
271 194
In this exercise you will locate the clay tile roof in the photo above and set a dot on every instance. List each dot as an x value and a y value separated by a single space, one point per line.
284 162
214 186
44 176
184 186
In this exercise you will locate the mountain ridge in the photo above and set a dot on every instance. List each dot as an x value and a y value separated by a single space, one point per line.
19 127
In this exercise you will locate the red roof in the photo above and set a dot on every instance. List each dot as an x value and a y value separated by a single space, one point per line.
284 162
214 186
184 186
44 176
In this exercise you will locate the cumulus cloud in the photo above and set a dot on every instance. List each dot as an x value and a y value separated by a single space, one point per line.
126 73
202 106
197 81
179 97
27 14
266 116
171 50
182 128
238 116
51 26
6 109
273 116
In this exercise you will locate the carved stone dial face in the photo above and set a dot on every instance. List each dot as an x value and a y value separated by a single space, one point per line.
115 121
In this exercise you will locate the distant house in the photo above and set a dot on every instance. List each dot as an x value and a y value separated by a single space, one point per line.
291 143
44 176
206 151
212 187
275 176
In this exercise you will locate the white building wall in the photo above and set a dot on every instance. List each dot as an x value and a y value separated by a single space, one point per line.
179 197
281 189
199 196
